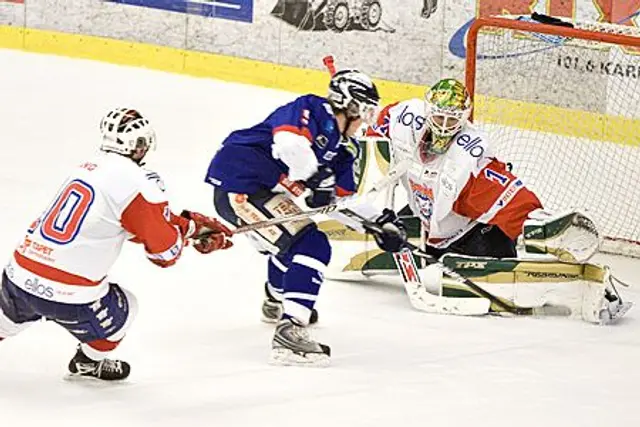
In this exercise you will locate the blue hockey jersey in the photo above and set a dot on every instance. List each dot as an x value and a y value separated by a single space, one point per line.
245 164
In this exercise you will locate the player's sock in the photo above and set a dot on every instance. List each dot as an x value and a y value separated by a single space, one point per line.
292 345
272 308
106 369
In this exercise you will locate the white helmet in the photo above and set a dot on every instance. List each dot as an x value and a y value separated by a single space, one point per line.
354 93
124 130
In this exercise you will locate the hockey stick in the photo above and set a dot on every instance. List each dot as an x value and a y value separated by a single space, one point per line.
392 176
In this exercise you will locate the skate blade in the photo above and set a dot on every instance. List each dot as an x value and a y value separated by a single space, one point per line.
286 357
92 381
608 319
269 320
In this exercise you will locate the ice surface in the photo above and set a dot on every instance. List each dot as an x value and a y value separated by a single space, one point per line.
198 350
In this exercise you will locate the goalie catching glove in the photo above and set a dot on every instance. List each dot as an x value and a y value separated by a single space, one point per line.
207 234
571 236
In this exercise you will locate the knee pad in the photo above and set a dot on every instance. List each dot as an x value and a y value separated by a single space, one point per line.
313 243
132 303
311 249
8 328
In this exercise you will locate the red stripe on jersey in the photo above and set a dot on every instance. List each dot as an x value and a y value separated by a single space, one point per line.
147 222
483 191
511 218
381 127
302 131
341 192
52 273
293 187
180 221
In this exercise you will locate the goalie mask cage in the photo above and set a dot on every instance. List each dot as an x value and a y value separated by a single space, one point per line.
562 105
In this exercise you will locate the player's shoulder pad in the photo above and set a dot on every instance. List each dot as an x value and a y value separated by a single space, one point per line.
470 150
407 116
317 109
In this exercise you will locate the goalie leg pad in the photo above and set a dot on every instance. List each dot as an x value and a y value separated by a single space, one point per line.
570 236
585 289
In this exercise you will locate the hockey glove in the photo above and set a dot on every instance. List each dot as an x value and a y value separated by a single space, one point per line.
389 233
208 233
323 188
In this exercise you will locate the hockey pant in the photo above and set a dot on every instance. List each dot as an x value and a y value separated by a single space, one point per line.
482 240
99 325
298 252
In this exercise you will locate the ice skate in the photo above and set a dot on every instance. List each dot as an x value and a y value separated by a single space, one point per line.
82 366
613 309
293 346
272 309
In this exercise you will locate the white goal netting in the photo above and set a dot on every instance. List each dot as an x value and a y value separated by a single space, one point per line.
565 112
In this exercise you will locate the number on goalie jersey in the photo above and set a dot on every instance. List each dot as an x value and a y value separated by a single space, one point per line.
59 270
467 199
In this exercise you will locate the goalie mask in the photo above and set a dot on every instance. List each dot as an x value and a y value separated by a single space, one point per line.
354 93
125 131
447 109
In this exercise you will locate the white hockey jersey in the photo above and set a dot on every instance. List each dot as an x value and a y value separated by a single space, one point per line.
453 192
67 252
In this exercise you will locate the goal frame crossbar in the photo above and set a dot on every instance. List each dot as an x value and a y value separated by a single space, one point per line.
532 27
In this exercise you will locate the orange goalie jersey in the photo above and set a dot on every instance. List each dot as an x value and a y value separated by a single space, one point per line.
455 191
67 252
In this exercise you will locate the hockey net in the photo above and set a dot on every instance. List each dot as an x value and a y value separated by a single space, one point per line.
562 105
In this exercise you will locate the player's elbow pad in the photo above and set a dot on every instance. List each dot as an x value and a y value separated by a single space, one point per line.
295 151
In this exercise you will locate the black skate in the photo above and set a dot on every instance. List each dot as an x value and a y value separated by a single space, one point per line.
292 346
272 309
106 369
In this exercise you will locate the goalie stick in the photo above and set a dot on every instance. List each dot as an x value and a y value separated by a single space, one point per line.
505 305
423 300
445 303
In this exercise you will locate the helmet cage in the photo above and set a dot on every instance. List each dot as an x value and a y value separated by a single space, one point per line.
447 109
354 93
125 131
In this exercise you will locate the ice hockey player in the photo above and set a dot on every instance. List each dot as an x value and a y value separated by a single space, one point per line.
257 174
468 201
59 271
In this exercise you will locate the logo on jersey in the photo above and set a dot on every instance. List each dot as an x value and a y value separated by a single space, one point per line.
321 141
407 118
423 198
471 146
329 126
305 117
37 288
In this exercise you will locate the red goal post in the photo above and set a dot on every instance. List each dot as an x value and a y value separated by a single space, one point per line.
562 105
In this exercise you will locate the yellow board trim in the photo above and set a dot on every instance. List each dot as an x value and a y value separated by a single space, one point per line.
560 121
192 63
574 123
